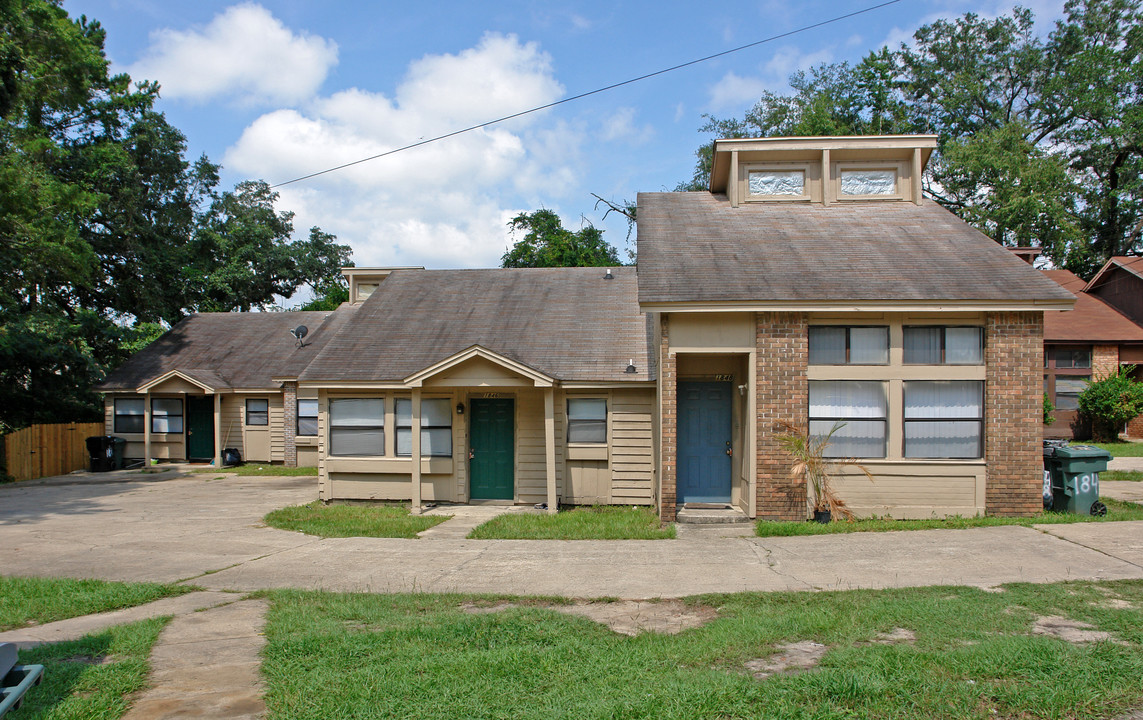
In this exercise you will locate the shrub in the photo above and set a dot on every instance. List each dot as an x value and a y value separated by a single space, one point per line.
1049 418
1110 402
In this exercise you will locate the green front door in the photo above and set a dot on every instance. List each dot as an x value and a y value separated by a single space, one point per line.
200 428
491 465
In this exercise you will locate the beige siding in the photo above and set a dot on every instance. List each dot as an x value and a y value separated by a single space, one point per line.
632 462
277 428
914 490
531 456
230 429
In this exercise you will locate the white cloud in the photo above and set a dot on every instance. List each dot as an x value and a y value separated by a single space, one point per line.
620 125
734 91
244 52
445 204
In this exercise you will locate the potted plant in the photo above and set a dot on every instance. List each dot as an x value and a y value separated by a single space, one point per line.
808 452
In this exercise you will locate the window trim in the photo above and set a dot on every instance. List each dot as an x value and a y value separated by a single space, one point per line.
299 417
944 344
397 428
333 428
249 414
1052 371
181 416
979 420
115 415
848 362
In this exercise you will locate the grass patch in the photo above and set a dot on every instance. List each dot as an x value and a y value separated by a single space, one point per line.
1119 449
595 522
91 678
25 600
1116 511
1128 475
384 521
420 656
260 470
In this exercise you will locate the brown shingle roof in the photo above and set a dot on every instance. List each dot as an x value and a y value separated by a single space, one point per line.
1091 321
568 323
694 247
236 350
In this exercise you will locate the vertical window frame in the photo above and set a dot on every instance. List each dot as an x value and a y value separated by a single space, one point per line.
116 415
299 417
252 415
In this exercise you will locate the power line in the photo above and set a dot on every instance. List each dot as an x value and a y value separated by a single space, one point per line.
580 96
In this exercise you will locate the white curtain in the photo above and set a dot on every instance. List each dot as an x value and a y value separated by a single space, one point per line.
868 345
859 406
827 346
356 426
963 346
943 418
922 345
436 427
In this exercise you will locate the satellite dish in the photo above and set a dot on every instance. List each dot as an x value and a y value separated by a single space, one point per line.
300 331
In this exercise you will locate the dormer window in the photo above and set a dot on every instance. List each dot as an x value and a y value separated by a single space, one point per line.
868 182
364 290
778 182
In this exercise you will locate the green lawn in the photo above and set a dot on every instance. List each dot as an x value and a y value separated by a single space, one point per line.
387 521
1119 449
1128 475
25 600
260 470
974 656
1116 511
596 522
91 678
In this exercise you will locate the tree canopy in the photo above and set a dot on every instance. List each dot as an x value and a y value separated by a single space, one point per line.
1040 140
547 243
107 232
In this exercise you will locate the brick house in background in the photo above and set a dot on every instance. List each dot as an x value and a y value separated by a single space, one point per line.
813 284
1091 341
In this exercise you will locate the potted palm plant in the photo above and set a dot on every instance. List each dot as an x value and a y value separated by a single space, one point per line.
808 452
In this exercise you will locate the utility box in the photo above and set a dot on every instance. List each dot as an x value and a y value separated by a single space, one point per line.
1074 473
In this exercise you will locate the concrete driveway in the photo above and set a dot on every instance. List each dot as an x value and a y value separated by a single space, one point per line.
209 530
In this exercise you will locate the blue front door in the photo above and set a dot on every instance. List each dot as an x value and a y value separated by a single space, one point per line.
704 442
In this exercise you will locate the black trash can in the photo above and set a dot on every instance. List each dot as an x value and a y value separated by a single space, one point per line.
118 449
101 453
231 457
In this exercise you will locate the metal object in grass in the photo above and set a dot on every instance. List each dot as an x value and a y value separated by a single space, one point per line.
15 680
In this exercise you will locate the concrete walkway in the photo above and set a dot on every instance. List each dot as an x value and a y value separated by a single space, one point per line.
465 518
77 627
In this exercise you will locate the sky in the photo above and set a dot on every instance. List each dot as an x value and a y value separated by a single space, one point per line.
277 89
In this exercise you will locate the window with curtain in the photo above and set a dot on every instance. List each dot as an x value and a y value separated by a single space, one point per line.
307 417
935 345
858 408
129 415
166 415
357 426
944 419
257 411
1068 389
587 420
836 345
436 427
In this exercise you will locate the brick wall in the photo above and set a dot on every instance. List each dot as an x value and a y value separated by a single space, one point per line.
290 418
1013 413
1104 361
668 418
782 397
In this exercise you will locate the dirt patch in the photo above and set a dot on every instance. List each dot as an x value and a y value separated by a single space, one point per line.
896 636
791 658
1073 631
1115 604
631 617
90 659
626 617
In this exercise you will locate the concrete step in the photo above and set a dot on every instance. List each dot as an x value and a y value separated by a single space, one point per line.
710 515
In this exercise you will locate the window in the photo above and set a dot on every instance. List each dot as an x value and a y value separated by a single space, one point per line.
858 407
1072 358
831 345
257 412
307 417
777 182
364 290
166 415
129 415
1068 389
357 426
934 345
587 420
944 418
436 427
861 182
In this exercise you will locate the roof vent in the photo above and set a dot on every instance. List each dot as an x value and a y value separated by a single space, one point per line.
608 275
299 333
630 367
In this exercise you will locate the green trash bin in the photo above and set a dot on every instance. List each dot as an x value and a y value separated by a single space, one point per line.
1075 473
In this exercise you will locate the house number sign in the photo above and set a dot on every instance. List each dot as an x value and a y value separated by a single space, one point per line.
725 378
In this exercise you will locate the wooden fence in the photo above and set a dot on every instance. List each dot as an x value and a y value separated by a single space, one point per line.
46 450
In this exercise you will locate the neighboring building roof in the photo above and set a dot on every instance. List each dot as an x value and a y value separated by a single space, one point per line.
570 324
1091 321
230 350
695 248
1133 265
